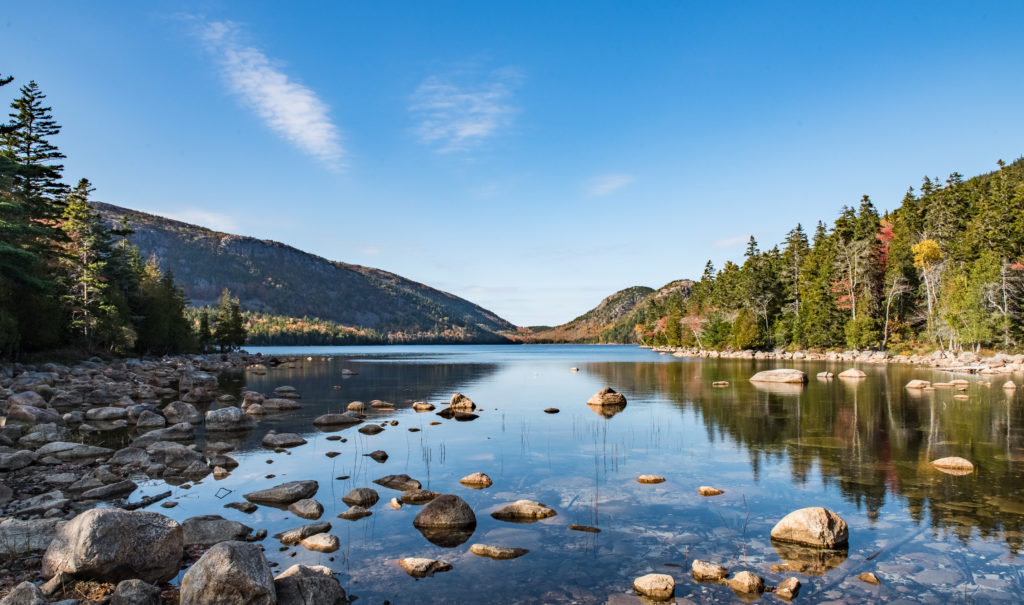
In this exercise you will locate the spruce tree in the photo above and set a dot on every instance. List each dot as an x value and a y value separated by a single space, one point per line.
29 143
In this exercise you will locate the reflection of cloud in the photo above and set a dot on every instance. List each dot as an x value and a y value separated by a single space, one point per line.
287 107
456 117
608 184
731 242
203 218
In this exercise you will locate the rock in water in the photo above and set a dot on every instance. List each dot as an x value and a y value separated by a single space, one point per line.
497 552
370 429
812 526
423 406
321 542
282 440
524 511
954 465
402 483
706 490
461 403
476 481
207 530
354 513
446 511
307 508
918 384
788 589
418 567
607 396
135 592
284 494
308 585
650 479
780 375
707 572
361 496
852 373
229 420
113 545
294 536
656 586
230 573
870 578
418 496
747 583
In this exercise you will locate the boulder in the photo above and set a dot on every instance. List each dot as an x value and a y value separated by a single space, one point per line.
106 414
20 538
207 530
30 414
30 398
650 479
954 465
110 544
780 375
657 586
135 592
355 513
461 403
150 420
348 418
273 439
361 496
703 571
25 593
422 406
918 384
607 396
66 450
853 373
130 456
446 511
285 493
418 567
230 419
307 508
321 542
121 489
17 460
230 573
524 511
812 526
476 481
401 482
309 585
788 589
356 406
497 552
371 429
179 411
1010 385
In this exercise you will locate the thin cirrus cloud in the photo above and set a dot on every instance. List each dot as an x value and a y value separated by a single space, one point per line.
453 115
292 110
608 184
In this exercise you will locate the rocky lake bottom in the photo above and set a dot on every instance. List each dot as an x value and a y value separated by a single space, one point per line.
861 448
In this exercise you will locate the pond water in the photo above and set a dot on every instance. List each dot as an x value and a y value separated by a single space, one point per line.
861 449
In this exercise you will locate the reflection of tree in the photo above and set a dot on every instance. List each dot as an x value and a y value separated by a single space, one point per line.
870 438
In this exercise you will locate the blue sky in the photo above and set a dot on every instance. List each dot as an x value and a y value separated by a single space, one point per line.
531 157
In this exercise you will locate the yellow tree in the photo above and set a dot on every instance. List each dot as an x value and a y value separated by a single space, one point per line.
928 259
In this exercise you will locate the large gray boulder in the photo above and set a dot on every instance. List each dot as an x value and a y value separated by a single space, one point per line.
230 573
284 494
812 526
30 414
308 585
179 411
25 593
229 419
446 510
207 530
17 460
19 538
68 450
110 544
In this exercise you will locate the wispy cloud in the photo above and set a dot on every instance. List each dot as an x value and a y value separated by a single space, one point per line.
203 218
731 242
608 184
292 110
455 116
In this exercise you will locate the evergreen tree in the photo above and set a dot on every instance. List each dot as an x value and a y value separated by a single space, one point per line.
203 335
28 143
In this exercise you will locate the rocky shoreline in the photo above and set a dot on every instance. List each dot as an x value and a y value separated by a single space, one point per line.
966 362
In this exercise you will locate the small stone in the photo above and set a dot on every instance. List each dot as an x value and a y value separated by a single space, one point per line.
354 513
607 396
720 384
418 567
476 481
707 572
423 406
370 429
321 542
954 465
378 455
401 482
788 589
852 373
706 490
418 496
812 526
307 508
551 411
586 528
656 586
650 479
361 496
870 578
497 552
746 582
332 454
395 504
524 511
917 384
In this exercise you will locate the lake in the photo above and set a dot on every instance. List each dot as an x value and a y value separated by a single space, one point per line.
861 449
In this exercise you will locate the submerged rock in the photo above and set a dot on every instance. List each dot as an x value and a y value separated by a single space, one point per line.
371 429
418 567
284 494
703 571
918 384
273 439
423 406
870 578
348 418
497 552
401 482
812 526
657 586
788 589
354 513
418 496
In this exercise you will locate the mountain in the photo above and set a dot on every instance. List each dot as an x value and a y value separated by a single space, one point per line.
590 326
273 278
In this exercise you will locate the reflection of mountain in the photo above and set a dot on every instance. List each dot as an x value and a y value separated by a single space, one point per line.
870 438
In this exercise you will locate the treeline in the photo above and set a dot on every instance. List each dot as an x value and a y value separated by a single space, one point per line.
276 330
944 269
67 280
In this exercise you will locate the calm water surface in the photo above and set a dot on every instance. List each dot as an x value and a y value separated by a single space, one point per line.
859 448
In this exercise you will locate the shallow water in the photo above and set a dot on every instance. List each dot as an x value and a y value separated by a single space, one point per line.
859 448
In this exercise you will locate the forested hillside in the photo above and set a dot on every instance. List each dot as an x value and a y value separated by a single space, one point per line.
943 269
339 303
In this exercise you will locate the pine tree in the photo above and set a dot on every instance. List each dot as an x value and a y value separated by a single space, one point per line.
203 335
28 143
